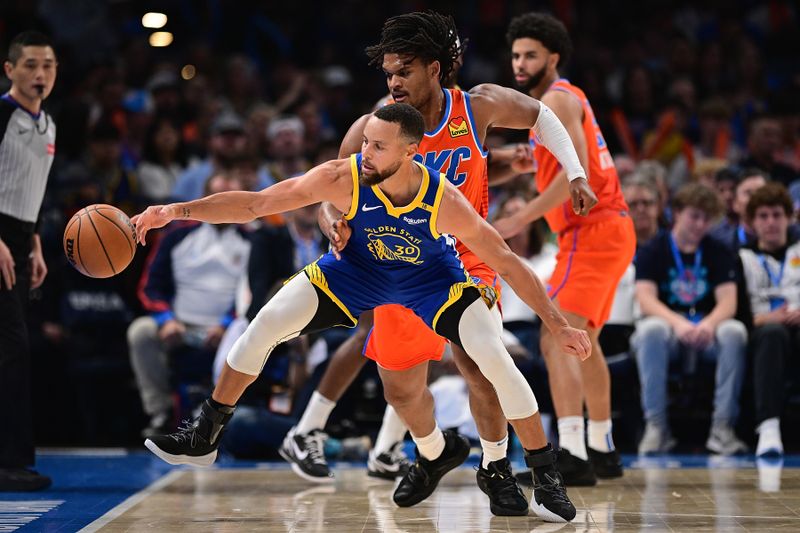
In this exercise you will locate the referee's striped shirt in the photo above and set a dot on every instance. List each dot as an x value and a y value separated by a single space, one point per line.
27 148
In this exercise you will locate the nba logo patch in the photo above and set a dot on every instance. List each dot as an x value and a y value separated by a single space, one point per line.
51 148
458 127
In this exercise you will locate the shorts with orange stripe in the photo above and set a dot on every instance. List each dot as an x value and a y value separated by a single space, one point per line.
591 260
400 340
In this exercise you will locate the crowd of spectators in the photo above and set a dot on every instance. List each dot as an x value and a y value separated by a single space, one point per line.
700 106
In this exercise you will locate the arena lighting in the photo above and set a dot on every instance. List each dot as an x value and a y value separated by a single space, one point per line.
160 39
188 72
154 20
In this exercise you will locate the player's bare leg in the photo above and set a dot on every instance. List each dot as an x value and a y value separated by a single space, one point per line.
469 323
346 362
597 391
307 437
438 451
571 383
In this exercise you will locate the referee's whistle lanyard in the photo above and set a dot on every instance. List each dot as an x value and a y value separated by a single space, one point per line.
774 281
34 116
694 316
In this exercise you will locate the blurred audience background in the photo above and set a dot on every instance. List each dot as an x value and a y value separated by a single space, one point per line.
251 93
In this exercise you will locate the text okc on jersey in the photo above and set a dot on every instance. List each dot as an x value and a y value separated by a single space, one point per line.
415 220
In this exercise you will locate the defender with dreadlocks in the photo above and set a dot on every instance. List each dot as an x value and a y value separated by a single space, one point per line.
416 52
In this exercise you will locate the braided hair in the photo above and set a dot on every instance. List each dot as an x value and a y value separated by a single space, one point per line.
429 36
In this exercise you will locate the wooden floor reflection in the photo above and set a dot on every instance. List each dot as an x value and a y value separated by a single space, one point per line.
646 499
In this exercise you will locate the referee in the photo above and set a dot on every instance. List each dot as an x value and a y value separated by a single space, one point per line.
27 146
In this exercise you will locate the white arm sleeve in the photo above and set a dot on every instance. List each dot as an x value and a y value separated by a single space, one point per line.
554 137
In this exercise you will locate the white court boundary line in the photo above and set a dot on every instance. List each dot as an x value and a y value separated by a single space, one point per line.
117 511
701 515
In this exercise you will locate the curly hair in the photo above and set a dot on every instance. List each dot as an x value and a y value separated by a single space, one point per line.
773 194
698 196
546 29
429 36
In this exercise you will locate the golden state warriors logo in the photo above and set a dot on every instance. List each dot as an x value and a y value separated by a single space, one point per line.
458 127
393 247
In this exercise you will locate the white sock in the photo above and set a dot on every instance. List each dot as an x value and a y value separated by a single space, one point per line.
769 437
599 435
571 436
392 431
432 446
769 474
316 414
493 451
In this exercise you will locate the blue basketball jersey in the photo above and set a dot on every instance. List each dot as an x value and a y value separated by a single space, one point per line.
394 255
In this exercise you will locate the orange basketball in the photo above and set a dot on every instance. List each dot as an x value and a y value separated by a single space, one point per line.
100 241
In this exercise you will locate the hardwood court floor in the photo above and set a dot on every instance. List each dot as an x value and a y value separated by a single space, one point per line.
648 498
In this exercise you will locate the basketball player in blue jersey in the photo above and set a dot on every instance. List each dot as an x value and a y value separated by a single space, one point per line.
401 215
417 52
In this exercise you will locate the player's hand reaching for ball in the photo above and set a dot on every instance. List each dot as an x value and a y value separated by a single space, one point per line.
154 217
583 197
574 341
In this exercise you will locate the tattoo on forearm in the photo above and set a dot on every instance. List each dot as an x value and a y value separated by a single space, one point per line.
186 212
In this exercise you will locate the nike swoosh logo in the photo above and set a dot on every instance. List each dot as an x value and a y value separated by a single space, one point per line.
23 132
300 454
365 208
394 467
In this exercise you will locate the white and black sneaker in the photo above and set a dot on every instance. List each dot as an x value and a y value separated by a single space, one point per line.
550 501
306 455
195 443
390 464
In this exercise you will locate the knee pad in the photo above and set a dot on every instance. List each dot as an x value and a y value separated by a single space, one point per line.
283 317
484 346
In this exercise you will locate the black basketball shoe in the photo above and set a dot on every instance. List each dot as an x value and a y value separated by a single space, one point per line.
423 476
194 443
607 465
505 496
22 480
550 501
306 454
389 465
575 471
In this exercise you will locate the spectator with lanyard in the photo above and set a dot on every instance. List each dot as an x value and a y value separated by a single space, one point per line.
772 273
686 287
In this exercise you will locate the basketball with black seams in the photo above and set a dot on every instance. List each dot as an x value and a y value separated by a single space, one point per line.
100 241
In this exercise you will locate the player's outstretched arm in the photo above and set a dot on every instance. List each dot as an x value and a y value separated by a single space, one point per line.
496 106
329 181
457 217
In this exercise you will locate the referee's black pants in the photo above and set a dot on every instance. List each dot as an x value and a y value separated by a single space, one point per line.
16 423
